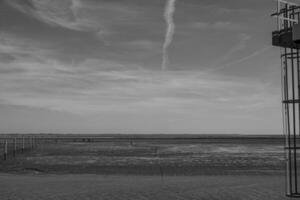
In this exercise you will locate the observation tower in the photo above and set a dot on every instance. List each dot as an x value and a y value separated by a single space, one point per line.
287 37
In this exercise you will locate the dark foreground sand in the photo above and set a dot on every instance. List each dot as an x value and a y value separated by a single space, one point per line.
98 187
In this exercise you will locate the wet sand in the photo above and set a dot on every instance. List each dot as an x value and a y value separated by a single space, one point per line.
204 169
98 187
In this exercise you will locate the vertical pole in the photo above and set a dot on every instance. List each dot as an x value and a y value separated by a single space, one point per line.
15 147
282 70
23 144
5 150
298 72
298 83
31 143
285 22
287 113
278 20
294 121
36 142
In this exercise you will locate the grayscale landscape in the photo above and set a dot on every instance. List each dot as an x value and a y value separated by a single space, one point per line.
149 99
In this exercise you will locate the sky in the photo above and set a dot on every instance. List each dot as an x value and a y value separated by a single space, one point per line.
96 66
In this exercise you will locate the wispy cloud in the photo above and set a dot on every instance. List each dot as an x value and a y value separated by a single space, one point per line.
101 59
16 46
219 26
55 13
143 44
237 48
169 18
243 59
241 44
43 86
36 79
73 14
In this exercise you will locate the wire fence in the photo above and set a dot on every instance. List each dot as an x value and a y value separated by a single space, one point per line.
10 147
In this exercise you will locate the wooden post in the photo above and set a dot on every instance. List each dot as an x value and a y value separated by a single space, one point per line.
5 150
30 143
33 142
23 144
15 147
36 142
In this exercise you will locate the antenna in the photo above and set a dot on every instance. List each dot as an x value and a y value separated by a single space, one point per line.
287 37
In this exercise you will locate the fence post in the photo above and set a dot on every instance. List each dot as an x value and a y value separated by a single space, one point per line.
5 150
35 142
31 143
15 147
23 144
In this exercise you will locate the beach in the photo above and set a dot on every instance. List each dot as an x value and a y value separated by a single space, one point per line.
230 168
81 187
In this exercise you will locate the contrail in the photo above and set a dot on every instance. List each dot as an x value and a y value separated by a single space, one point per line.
169 12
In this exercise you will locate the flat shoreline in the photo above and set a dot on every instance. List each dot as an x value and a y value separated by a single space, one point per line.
117 187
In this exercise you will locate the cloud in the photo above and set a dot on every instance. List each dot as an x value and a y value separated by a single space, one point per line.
142 44
170 31
56 13
14 49
225 8
74 14
219 26
101 59
243 59
242 40
43 86
35 78
6 58
239 46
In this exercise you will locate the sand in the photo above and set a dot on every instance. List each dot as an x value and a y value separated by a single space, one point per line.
243 169
119 187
